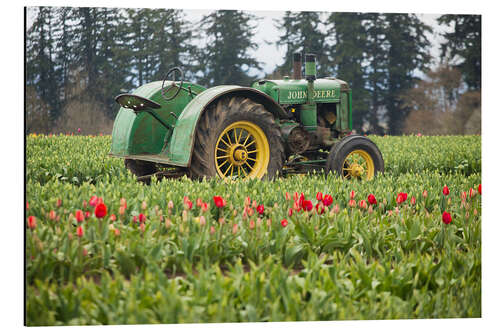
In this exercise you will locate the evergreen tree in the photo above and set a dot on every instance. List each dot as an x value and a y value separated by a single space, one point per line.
224 58
348 58
408 52
40 66
376 68
464 43
302 33
172 47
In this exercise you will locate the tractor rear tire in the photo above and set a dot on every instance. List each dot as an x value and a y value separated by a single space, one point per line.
236 119
140 168
355 157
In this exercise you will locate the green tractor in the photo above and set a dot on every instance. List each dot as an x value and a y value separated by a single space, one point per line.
172 128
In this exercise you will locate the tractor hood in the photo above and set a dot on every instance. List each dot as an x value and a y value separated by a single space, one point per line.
288 91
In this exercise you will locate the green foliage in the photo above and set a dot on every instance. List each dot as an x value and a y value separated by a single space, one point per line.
463 46
390 261
302 33
225 58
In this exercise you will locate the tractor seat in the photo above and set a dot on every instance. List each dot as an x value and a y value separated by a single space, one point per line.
136 103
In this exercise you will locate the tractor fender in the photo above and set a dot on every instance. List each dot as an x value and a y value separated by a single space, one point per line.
181 144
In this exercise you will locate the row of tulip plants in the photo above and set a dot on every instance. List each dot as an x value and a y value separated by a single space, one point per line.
299 248
81 159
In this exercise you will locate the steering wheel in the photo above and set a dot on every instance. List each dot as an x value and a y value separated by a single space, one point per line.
173 85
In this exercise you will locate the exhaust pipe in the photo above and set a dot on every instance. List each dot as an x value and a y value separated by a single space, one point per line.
297 66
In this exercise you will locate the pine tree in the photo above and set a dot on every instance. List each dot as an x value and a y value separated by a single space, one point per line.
463 45
40 66
376 67
348 56
408 52
172 47
225 58
302 33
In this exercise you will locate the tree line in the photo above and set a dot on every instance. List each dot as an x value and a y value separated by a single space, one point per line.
79 59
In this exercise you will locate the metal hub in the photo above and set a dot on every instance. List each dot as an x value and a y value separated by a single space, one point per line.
238 154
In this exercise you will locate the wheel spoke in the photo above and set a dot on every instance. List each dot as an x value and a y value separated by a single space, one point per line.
220 165
228 138
252 151
251 159
227 145
232 169
218 157
244 172
246 139
249 165
229 167
249 144
241 133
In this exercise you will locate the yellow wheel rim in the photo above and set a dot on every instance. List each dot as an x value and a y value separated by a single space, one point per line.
358 165
242 151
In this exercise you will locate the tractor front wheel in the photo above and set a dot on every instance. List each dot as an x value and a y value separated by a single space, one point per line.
355 157
237 138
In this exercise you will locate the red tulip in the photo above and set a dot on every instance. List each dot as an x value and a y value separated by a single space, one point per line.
142 227
425 194
363 204
188 204
307 205
199 202
59 203
27 205
446 218
212 230
252 224
123 203
284 223
320 208
87 215
372 200
219 201
79 216
52 215
142 218
287 196
479 189
353 194
446 191
112 217
235 228
79 231
117 232
472 193
290 212
121 210
401 197
301 199
296 206
413 201
144 205
319 196
295 196
327 200
204 206
100 210
352 203
31 222
260 209
93 201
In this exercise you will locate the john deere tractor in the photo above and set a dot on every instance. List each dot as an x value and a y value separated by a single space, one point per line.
295 125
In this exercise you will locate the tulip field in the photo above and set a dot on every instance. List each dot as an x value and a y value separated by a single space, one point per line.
102 248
